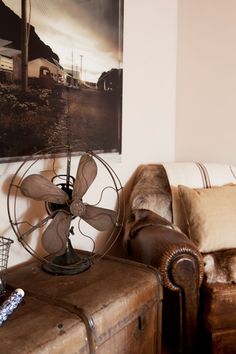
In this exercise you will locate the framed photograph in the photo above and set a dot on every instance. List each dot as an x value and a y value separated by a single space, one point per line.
60 76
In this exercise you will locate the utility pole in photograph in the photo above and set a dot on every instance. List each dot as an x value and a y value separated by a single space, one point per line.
24 48
72 64
81 66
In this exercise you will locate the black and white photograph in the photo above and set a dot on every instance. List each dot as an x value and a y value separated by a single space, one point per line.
61 69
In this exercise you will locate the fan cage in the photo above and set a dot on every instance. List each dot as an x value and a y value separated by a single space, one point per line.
13 193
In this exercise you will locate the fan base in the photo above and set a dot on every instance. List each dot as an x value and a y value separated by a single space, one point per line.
73 269
68 263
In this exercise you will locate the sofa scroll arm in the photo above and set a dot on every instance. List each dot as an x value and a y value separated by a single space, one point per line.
180 265
154 245
154 240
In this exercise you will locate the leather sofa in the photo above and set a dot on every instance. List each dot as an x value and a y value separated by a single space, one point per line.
162 228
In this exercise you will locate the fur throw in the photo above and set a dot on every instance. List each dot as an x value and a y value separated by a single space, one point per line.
142 218
148 188
220 266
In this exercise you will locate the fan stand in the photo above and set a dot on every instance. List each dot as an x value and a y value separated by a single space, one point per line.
69 263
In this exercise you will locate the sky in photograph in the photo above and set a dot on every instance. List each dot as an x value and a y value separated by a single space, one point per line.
83 33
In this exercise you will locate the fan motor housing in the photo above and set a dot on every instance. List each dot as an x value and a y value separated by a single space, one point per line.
51 207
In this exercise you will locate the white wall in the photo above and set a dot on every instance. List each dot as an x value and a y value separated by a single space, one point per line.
148 97
206 81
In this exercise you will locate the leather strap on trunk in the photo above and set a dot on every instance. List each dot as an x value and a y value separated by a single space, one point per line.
90 329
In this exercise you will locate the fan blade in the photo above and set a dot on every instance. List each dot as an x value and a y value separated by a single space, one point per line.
86 173
40 188
54 238
100 218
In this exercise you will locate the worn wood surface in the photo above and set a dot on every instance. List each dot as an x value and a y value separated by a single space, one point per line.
121 298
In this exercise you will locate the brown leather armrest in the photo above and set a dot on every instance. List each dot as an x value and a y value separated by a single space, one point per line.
153 240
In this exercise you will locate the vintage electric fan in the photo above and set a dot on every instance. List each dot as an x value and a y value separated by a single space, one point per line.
64 204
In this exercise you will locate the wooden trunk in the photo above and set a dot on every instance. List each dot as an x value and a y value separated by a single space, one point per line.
114 307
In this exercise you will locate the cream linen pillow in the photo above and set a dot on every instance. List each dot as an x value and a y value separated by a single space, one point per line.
211 216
